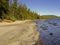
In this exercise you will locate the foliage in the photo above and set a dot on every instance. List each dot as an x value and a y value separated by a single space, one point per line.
48 17
13 19
0 20
3 7
16 12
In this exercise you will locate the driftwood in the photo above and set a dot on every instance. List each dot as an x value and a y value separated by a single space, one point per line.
5 20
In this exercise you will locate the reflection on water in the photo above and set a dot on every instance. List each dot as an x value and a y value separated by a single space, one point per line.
51 34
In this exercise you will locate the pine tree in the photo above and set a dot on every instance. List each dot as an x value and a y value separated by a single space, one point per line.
4 7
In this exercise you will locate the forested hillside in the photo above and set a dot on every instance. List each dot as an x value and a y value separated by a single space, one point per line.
48 17
14 11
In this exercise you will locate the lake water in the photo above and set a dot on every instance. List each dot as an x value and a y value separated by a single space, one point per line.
49 31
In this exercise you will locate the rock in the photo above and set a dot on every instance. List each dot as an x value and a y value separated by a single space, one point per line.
55 24
50 33
44 27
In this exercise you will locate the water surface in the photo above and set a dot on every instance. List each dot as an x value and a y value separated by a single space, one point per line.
51 35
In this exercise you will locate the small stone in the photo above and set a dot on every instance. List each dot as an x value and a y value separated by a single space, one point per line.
50 33
44 27
55 24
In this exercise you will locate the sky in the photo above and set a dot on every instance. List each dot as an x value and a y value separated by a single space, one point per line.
43 7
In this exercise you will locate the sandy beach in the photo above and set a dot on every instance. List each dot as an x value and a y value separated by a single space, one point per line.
19 33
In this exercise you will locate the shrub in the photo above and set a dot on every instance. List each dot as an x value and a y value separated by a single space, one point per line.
13 19
10 18
0 20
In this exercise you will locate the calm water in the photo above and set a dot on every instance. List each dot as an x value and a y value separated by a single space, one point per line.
51 35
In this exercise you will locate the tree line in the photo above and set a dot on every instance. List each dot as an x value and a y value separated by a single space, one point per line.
14 11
